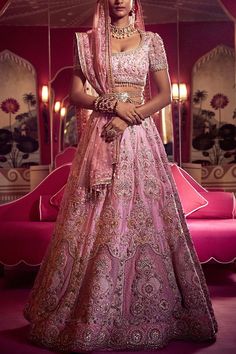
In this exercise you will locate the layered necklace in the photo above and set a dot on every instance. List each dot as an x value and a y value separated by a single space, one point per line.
122 32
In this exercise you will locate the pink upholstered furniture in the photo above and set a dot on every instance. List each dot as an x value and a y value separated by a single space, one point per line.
23 237
212 226
26 225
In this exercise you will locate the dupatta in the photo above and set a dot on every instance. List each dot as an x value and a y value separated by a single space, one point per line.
93 55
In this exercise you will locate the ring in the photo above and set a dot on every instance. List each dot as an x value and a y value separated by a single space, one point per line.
111 133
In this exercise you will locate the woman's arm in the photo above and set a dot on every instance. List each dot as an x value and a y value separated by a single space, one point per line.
80 98
78 95
162 98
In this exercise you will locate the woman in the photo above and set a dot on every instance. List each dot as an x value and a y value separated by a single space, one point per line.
121 271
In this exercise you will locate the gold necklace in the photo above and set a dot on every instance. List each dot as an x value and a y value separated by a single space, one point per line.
122 32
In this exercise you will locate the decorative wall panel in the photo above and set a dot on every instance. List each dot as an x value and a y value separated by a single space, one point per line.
19 145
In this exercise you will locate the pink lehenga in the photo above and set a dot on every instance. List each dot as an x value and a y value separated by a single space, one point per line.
121 271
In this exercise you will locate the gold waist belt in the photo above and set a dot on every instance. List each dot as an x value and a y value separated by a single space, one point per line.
129 96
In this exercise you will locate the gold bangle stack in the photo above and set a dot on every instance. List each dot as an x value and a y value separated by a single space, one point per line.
105 104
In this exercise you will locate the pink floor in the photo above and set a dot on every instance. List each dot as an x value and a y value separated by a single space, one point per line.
221 280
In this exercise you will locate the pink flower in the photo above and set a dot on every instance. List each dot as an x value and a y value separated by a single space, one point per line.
219 101
10 105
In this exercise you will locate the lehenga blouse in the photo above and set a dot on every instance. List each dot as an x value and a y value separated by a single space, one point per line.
129 68
132 66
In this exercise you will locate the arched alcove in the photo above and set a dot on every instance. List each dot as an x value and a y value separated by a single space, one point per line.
213 108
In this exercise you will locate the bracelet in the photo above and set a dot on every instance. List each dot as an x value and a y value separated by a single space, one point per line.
115 106
95 103
105 104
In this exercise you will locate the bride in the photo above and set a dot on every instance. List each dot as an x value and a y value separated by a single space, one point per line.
121 271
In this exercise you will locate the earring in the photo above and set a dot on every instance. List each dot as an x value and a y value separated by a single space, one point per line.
132 15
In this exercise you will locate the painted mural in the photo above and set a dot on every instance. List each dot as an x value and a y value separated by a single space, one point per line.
19 140
214 108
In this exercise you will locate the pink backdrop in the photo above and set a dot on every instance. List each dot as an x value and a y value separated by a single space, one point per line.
230 7
196 40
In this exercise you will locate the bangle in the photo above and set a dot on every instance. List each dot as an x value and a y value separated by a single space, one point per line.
115 106
105 104
95 103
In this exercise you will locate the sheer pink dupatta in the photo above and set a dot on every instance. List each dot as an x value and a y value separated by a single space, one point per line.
93 49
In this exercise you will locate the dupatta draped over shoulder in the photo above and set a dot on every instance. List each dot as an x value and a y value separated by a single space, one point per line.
92 56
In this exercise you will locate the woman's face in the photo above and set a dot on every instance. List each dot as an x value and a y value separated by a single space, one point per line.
120 8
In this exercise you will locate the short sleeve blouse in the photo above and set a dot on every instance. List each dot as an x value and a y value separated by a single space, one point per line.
157 53
131 67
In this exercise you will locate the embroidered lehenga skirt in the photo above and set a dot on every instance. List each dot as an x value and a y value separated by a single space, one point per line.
121 271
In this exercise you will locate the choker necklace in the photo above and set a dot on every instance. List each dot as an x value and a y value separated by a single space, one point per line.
122 32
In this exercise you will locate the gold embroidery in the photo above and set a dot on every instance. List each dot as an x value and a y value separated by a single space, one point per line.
121 271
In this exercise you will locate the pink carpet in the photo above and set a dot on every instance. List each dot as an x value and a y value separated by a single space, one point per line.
221 280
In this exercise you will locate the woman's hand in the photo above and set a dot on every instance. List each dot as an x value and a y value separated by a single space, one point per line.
129 113
113 129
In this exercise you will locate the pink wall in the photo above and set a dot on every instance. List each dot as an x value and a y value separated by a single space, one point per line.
195 40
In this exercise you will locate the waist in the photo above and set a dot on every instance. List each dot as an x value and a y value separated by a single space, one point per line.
135 97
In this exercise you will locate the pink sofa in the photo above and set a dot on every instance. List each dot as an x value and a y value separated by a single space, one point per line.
23 237
26 224
213 224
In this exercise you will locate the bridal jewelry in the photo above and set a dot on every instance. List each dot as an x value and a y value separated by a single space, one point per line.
111 133
105 103
122 32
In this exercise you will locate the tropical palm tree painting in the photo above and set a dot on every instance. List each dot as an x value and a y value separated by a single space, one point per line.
199 97
30 100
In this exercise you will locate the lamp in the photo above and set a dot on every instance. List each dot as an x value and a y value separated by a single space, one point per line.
63 112
183 92
45 94
61 125
57 106
45 112
179 92
175 92
179 96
